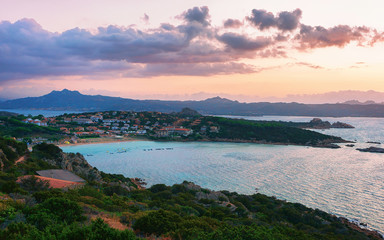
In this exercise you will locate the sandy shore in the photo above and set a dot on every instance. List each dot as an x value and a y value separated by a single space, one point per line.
101 140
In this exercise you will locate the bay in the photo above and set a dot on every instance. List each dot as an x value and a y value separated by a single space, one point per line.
342 181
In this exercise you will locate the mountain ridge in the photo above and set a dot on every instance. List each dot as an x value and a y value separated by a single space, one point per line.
68 100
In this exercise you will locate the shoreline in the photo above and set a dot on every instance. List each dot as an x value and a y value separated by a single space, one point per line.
131 139
100 141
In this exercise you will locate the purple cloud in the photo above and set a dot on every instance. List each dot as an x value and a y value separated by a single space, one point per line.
232 23
339 36
285 21
241 42
197 14
194 47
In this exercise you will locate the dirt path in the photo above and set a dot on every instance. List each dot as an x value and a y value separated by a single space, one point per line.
21 159
113 222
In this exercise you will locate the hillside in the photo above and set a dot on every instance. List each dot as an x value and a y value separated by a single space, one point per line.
104 209
75 101
13 126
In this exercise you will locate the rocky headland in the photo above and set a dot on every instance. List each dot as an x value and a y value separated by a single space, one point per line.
371 149
317 123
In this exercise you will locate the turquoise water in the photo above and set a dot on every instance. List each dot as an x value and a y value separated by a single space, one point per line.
342 181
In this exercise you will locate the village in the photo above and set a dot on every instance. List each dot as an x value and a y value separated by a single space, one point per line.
121 124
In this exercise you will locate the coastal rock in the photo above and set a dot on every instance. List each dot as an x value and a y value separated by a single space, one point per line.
350 145
326 144
212 195
371 149
205 193
341 125
191 186
374 142
317 123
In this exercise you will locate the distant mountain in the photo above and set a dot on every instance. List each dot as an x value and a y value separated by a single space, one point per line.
356 102
75 101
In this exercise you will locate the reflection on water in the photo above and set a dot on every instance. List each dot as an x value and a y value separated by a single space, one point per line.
341 181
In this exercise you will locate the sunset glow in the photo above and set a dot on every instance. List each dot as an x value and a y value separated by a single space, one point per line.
246 51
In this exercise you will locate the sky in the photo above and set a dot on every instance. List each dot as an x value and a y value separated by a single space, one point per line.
244 50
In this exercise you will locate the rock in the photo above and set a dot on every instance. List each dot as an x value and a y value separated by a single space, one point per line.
191 186
212 195
350 145
371 149
205 193
341 125
327 145
317 123
374 142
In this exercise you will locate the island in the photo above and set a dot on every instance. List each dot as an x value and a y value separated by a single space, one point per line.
48 194
186 125
371 149
317 123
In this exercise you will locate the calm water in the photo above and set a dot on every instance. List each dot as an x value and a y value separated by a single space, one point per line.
342 181
45 113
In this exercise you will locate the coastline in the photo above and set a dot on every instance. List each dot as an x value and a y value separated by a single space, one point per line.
103 140
100 141
377 234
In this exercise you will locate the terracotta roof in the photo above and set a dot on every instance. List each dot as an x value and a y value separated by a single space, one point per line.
54 183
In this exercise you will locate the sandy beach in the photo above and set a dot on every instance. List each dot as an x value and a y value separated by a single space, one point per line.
101 140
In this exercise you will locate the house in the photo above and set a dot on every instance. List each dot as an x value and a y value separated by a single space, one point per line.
214 129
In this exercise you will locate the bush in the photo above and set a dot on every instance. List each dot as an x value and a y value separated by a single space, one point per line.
34 184
158 222
64 209
158 188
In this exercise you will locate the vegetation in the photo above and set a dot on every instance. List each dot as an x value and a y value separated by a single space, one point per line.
14 127
31 210
270 132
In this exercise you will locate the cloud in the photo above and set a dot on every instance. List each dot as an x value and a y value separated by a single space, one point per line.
145 18
288 21
339 36
197 14
232 23
241 42
305 64
285 21
199 69
192 47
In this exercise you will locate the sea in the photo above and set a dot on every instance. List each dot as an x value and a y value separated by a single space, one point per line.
343 181
35 112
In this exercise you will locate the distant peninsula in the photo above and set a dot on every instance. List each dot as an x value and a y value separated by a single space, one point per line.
75 101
